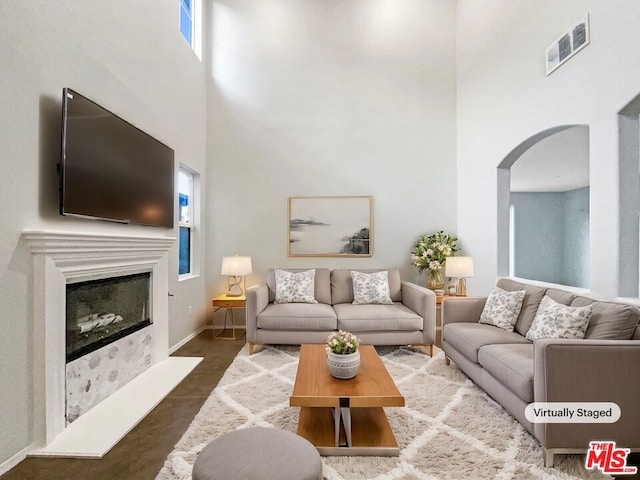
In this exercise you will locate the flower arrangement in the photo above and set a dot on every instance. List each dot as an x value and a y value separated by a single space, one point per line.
431 252
342 343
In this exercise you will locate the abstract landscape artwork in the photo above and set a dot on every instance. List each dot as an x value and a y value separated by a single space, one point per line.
329 226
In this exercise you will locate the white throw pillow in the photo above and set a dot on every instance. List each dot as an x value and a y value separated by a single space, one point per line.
295 287
371 288
502 308
554 320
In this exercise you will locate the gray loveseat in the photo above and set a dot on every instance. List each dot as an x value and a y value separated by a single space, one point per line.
602 367
409 321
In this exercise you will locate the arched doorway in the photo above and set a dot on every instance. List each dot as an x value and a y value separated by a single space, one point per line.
543 208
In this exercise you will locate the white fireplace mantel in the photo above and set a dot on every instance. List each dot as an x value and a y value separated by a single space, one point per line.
66 257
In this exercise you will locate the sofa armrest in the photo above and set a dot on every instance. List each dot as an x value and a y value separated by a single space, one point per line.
588 371
257 301
462 309
423 302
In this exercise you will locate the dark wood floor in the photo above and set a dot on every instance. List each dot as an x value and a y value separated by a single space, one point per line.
141 454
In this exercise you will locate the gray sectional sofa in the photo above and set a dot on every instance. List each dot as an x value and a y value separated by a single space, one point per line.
602 367
410 320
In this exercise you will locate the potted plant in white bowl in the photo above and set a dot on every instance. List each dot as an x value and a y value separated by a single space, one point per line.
343 357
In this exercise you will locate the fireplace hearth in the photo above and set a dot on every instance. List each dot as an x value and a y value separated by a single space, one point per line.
100 312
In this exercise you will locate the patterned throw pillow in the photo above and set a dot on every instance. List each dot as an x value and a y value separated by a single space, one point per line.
371 288
295 287
554 320
502 308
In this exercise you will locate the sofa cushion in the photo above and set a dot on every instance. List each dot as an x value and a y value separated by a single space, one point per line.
371 288
511 365
609 321
295 287
561 296
532 298
297 316
321 284
554 320
502 308
368 318
468 338
342 285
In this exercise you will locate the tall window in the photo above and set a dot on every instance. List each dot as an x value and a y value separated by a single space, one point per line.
191 24
186 20
185 221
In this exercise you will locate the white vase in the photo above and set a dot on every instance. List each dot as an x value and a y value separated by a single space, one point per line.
343 366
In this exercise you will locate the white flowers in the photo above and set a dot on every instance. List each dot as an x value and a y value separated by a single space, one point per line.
342 342
431 252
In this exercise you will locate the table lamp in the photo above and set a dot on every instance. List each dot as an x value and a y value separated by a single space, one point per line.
459 267
235 268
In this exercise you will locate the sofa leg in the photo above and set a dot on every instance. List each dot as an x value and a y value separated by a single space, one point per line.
251 347
447 361
548 458
431 350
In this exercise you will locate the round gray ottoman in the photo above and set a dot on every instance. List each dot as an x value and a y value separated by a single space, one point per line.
258 454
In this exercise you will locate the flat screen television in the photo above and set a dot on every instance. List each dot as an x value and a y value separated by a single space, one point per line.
111 170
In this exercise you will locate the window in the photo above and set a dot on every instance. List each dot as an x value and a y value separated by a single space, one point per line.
185 221
186 20
191 24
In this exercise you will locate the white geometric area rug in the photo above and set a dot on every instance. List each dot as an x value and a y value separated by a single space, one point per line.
449 428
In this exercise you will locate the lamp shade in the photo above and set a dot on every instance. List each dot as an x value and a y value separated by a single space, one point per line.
459 267
236 266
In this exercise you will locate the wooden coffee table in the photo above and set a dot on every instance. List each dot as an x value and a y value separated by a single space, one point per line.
345 417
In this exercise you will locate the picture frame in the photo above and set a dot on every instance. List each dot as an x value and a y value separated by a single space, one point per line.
567 45
330 226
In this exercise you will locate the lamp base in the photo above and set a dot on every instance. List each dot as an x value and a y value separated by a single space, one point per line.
234 288
461 288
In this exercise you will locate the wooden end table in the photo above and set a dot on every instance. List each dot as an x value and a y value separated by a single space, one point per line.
229 303
345 417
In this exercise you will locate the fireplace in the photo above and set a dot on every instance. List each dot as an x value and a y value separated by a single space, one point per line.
99 312
67 265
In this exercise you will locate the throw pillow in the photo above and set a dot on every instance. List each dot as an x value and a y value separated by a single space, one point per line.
295 287
554 320
502 308
371 288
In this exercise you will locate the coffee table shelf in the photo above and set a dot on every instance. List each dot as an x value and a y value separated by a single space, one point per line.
321 397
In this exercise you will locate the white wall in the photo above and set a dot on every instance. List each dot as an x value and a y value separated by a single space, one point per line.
504 97
127 56
310 97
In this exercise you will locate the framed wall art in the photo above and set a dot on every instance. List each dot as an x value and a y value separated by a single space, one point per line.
330 226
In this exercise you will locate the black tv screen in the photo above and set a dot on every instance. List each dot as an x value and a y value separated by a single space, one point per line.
111 170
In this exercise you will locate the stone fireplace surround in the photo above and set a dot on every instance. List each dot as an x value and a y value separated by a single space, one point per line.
63 257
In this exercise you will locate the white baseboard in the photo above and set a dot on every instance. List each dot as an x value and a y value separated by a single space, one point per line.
15 460
189 338
198 332
221 326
